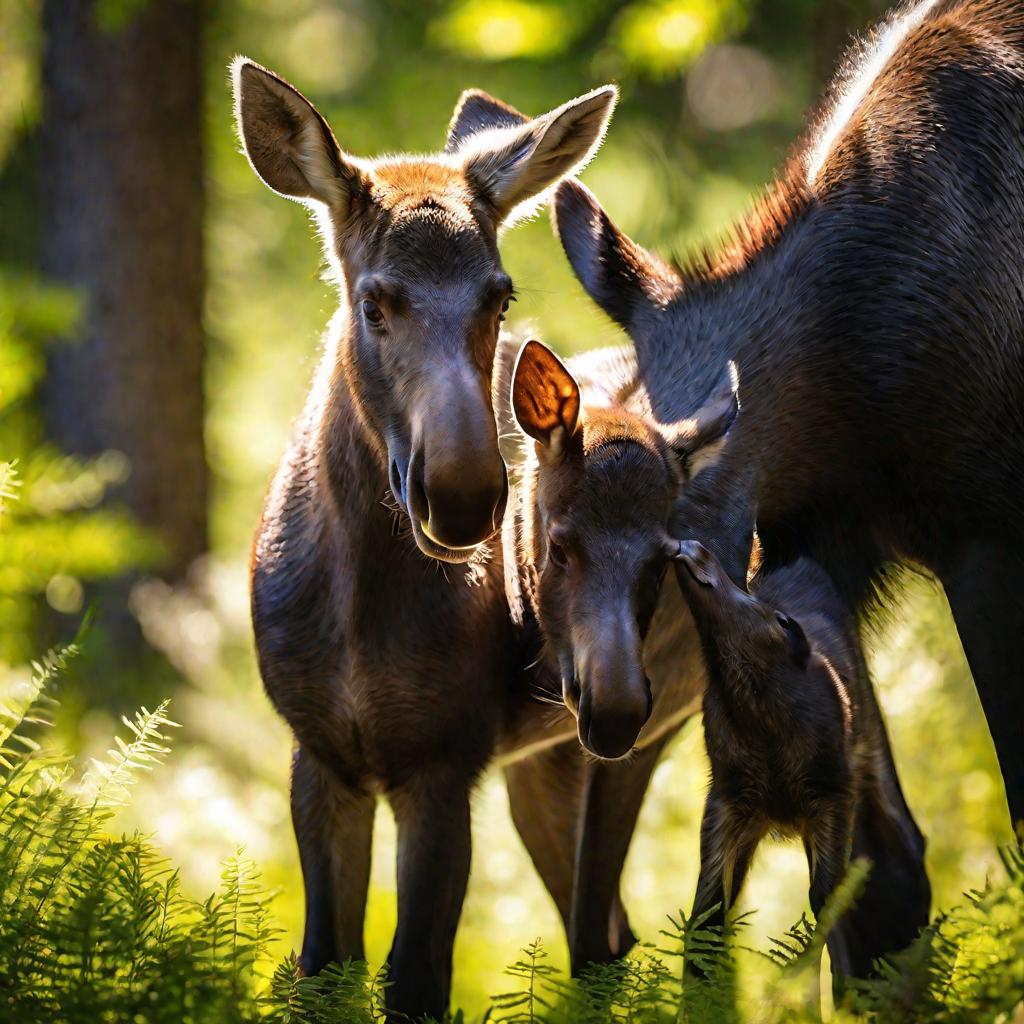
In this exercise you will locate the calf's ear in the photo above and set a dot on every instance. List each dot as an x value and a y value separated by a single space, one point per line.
623 278
288 142
545 397
700 440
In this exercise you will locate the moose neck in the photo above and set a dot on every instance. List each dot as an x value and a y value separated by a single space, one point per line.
791 315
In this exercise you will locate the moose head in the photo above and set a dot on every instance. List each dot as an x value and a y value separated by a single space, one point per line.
413 243
598 500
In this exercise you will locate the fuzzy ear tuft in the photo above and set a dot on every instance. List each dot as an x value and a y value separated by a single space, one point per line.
700 440
287 141
545 397
514 166
477 111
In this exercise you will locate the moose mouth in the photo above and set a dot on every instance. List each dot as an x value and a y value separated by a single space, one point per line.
438 551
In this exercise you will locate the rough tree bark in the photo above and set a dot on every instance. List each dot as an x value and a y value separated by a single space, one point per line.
122 192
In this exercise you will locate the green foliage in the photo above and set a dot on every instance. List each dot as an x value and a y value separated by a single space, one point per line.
56 536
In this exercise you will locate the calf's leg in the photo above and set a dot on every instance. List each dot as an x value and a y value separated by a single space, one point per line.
334 830
828 857
728 840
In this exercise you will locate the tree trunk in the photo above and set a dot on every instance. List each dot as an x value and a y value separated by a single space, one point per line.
122 197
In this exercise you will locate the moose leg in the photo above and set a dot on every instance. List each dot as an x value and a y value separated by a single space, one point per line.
432 814
828 856
896 899
983 584
612 796
334 829
544 796
728 841
727 845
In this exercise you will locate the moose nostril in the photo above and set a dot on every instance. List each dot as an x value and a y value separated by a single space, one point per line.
395 480
420 506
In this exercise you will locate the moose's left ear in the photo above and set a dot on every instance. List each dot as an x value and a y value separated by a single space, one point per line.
477 111
545 397
700 440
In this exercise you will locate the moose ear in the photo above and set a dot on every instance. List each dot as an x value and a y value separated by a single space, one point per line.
287 141
545 397
700 440
476 112
623 278
511 166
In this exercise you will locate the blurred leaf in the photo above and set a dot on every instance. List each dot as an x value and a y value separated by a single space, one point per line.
664 36
499 29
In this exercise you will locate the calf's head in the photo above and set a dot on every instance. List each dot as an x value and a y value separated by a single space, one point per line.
743 637
597 502
413 241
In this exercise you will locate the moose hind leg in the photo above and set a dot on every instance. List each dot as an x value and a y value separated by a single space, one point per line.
983 585
434 844
895 902
334 830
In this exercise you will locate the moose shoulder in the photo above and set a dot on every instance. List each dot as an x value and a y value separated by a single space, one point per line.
874 306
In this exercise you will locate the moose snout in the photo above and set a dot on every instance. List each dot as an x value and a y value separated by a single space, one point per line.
615 703
457 486
459 502
611 731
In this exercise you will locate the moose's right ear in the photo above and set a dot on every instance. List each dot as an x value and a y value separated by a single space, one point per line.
513 167
477 111
623 278
287 141
545 397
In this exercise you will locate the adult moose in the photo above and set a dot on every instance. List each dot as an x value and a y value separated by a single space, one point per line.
395 677
874 306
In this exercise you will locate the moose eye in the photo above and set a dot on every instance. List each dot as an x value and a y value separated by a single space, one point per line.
372 312
504 308
556 554
784 621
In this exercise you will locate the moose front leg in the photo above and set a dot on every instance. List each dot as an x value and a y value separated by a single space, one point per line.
612 797
432 814
828 857
544 795
334 830
728 840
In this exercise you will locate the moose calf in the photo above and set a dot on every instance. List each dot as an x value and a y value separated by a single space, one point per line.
790 750
594 521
